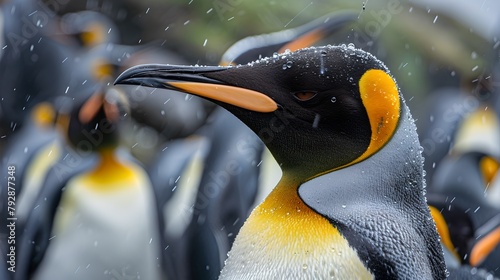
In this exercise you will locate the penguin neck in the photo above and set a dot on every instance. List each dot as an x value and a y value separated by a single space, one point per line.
110 173
284 199
284 210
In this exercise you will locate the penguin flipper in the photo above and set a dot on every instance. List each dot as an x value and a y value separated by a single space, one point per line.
164 173
176 157
232 167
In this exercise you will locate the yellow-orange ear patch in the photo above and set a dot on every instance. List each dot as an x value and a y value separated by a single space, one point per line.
93 35
380 97
102 70
443 231
44 114
489 169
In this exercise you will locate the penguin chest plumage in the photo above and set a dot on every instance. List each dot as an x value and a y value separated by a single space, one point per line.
101 233
285 239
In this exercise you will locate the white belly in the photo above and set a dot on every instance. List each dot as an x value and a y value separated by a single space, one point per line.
108 235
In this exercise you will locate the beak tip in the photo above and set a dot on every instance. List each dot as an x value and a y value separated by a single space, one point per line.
127 76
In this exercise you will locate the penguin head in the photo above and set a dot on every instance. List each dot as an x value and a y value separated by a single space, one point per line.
89 28
316 109
94 125
44 114
254 47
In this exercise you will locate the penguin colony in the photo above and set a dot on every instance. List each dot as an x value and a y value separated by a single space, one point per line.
296 158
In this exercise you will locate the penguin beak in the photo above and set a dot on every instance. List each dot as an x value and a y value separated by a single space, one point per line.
191 79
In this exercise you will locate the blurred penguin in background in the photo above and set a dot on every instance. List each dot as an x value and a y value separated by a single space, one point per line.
99 222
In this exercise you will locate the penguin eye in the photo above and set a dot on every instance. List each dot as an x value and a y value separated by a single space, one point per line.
305 95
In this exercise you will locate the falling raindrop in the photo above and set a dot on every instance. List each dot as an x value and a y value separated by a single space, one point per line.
316 121
322 63
473 271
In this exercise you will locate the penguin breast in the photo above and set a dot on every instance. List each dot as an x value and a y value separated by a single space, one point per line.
101 235
285 239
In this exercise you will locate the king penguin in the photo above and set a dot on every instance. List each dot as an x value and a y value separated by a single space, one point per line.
237 171
100 222
350 203
467 221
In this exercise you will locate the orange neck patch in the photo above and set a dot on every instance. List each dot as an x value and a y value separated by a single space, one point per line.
283 236
110 174
285 213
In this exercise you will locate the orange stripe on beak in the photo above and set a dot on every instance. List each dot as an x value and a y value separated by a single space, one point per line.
240 97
